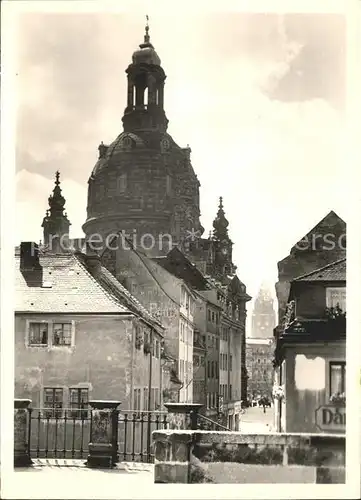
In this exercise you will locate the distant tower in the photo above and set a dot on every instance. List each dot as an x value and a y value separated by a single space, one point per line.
56 223
264 315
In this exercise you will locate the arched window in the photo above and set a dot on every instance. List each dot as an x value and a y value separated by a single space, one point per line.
146 97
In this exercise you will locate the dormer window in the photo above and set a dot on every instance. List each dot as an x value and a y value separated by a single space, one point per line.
127 142
165 145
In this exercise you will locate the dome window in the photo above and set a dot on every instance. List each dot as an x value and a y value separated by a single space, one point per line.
165 145
127 143
121 183
169 185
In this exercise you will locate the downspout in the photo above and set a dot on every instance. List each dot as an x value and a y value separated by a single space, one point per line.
160 380
131 399
150 389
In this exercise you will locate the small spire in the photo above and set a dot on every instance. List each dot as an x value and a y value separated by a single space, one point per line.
55 221
146 36
220 223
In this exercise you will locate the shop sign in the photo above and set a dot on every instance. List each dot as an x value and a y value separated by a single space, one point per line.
331 418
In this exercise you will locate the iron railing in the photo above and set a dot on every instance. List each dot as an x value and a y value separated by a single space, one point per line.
66 433
135 434
59 433
205 423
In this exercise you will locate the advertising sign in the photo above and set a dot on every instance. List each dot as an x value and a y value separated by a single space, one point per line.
331 418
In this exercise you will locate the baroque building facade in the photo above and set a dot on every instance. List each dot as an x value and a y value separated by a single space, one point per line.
259 362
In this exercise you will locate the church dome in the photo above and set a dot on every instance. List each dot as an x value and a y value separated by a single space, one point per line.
146 53
125 142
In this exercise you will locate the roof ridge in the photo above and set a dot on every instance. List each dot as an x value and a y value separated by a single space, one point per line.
330 213
77 258
320 269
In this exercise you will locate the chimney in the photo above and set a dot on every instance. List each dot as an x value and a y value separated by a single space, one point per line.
29 256
92 260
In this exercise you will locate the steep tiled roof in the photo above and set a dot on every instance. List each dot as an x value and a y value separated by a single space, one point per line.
336 271
330 225
62 285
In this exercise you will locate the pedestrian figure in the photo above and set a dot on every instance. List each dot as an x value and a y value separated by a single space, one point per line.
263 402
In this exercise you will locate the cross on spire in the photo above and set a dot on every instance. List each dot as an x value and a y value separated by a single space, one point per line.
146 36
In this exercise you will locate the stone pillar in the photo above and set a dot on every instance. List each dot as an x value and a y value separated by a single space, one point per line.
172 456
21 433
183 416
103 444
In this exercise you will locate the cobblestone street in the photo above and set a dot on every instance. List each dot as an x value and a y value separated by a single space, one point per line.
255 420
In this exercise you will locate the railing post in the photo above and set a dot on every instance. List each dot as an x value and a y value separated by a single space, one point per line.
103 446
22 433
183 415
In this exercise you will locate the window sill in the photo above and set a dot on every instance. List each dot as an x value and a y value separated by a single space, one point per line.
50 347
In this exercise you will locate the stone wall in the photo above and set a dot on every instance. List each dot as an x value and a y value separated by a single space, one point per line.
231 457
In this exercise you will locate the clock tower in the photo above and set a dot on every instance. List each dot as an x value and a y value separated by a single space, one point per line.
222 245
264 315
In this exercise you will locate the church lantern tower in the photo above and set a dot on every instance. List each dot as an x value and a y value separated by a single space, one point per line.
143 183
145 101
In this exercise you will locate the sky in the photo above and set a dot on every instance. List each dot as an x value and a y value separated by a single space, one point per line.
260 99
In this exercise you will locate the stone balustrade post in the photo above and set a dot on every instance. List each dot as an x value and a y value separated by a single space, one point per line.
103 446
183 416
22 433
